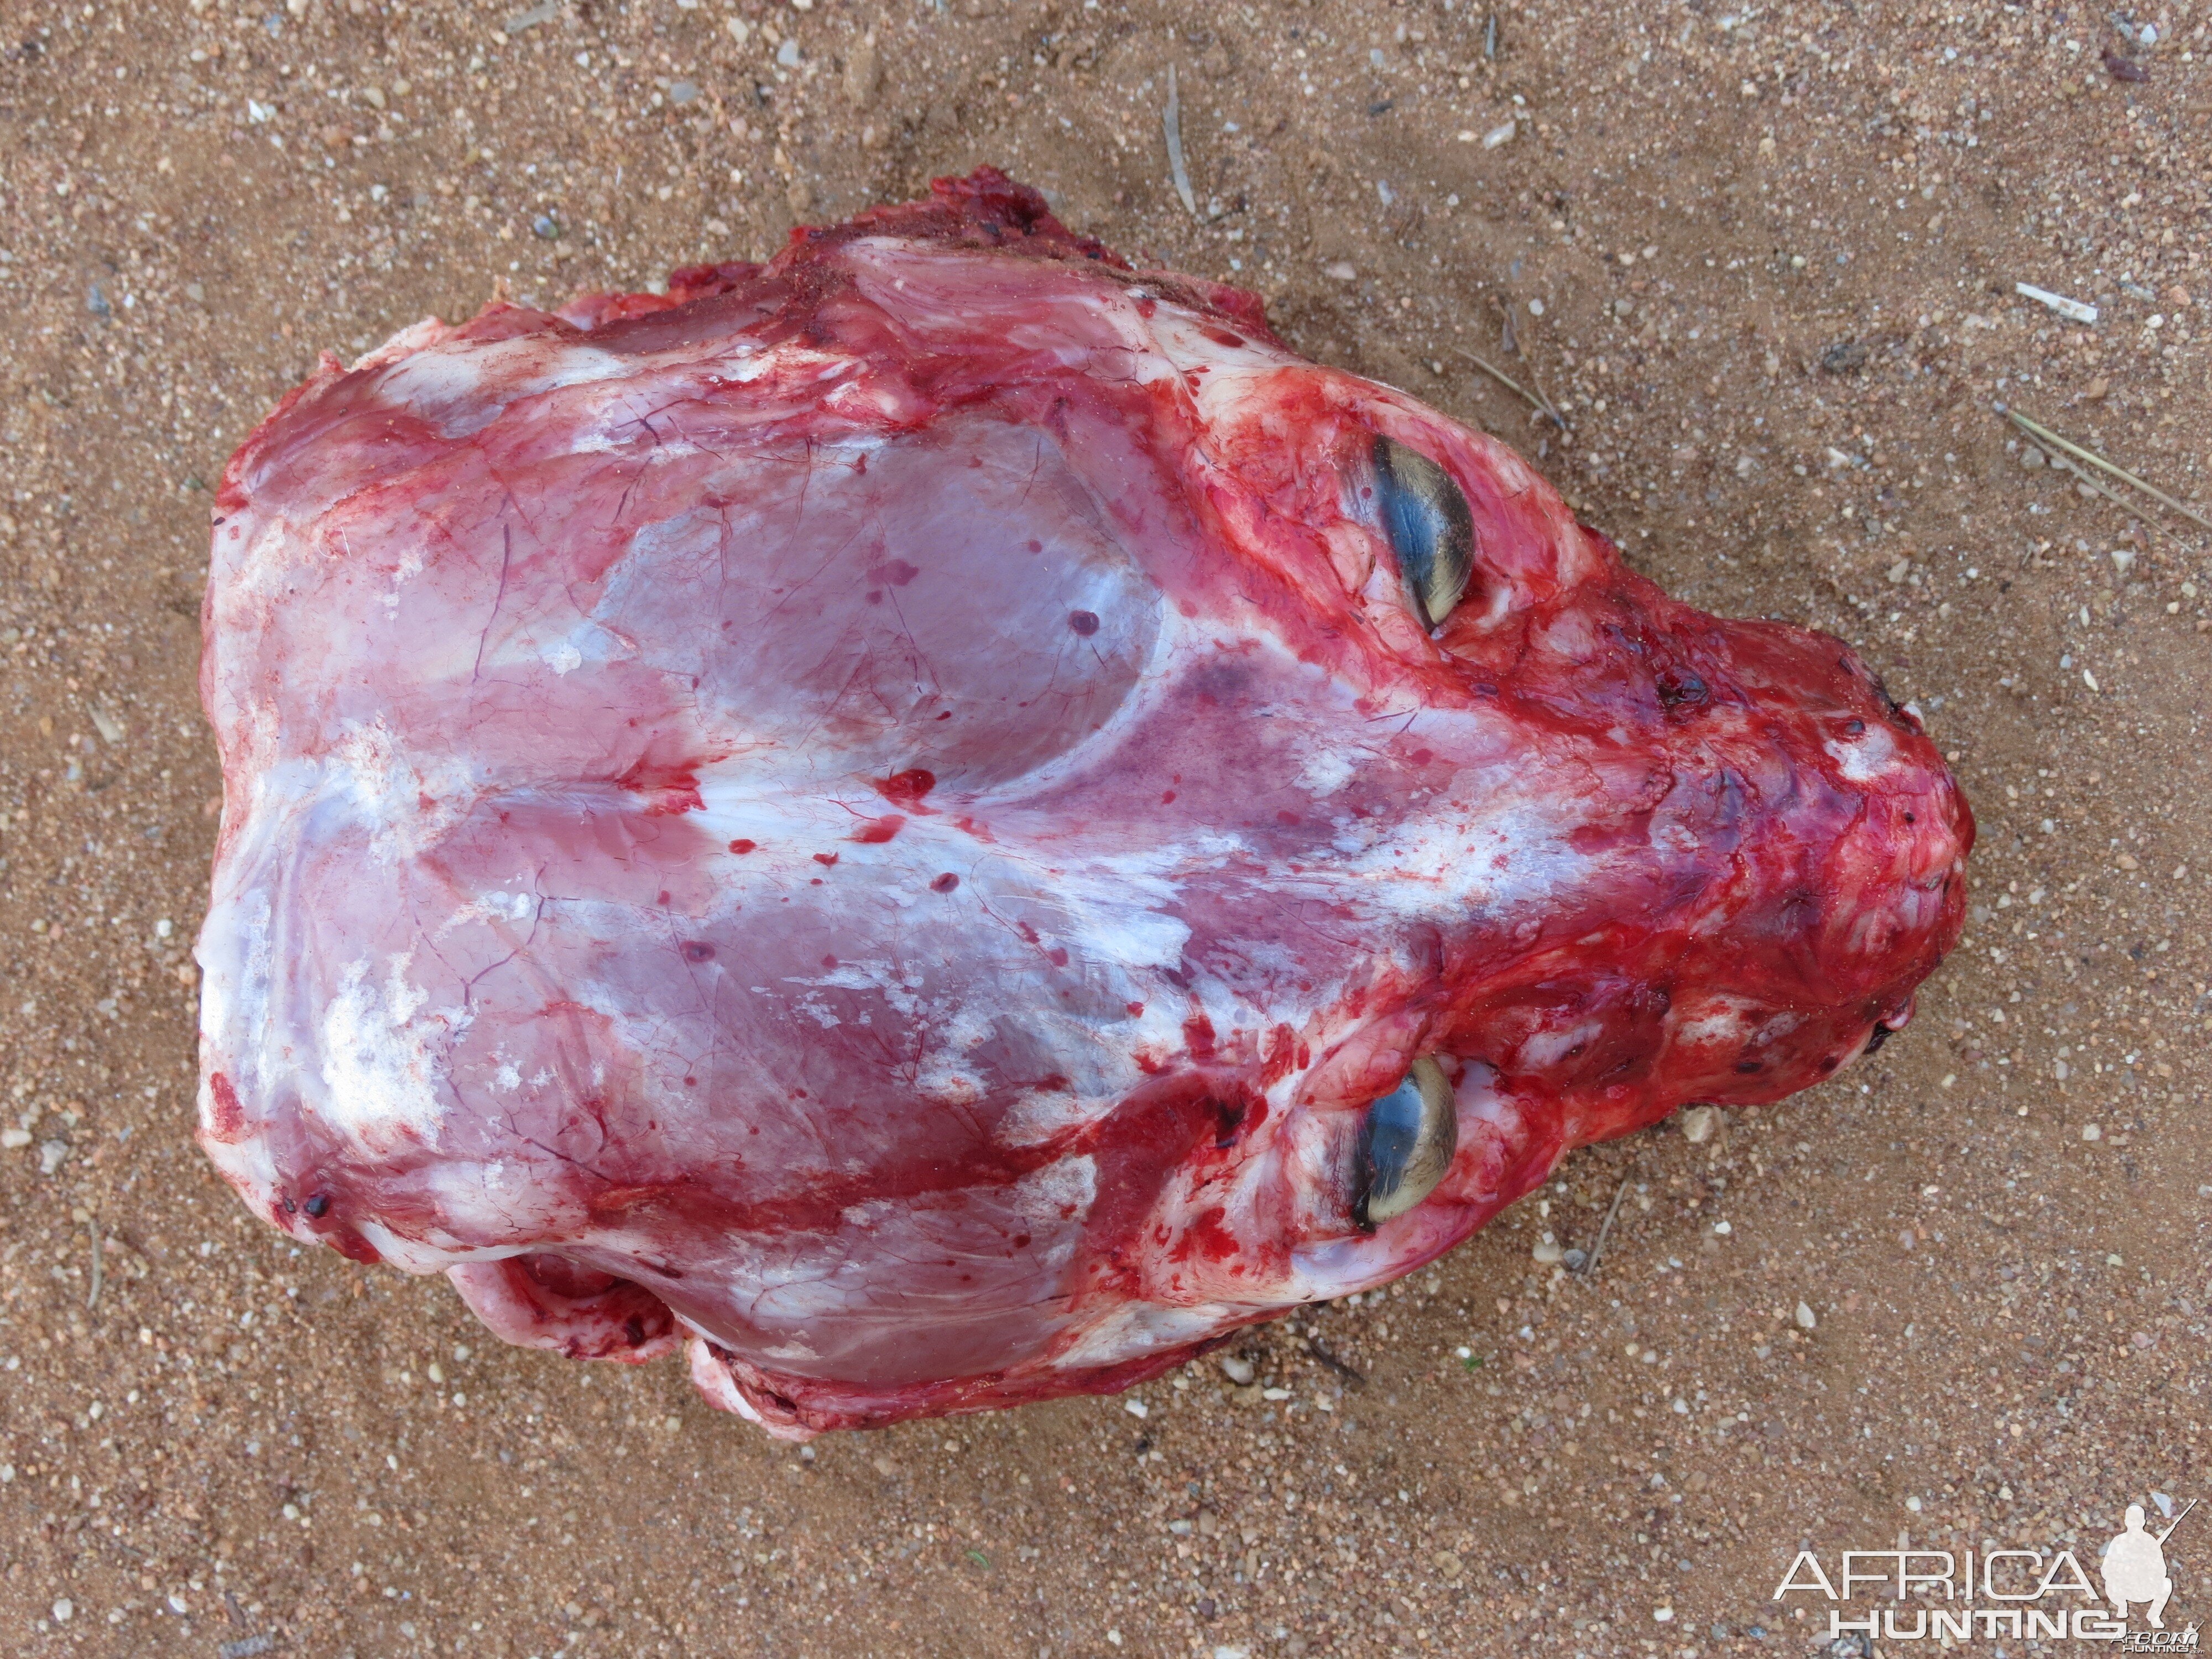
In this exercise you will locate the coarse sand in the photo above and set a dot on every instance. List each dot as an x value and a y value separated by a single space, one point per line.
1764 260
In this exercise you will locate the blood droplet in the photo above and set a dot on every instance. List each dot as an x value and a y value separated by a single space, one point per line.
908 788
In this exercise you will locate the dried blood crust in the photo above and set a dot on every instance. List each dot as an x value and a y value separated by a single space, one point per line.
889 812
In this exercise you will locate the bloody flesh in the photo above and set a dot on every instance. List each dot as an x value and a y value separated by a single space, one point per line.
886 815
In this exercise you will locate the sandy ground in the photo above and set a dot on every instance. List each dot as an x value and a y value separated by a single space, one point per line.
1765 260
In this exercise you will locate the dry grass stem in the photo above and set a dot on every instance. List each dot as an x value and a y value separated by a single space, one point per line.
1537 401
1589 1267
2044 435
1172 121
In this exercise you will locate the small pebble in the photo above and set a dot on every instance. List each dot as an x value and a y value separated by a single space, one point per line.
863 73
1699 1123
2091 1132
1136 1408
544 12
64 1610
1805 1319
1548 1252
50 1156
1664 1615
1237 1370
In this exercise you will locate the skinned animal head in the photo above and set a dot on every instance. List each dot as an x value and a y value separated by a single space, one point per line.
952 822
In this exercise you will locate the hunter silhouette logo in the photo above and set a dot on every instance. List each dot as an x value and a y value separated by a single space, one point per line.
2134 1566
1908 1595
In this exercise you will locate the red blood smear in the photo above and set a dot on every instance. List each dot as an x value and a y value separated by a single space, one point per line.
876 831
1211 1236
227 1119
351 1245
1198 1036
669 787
908 788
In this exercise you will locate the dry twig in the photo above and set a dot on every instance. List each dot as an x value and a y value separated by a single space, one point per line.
1318 1350
1589 1267
1536 401
2044 435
